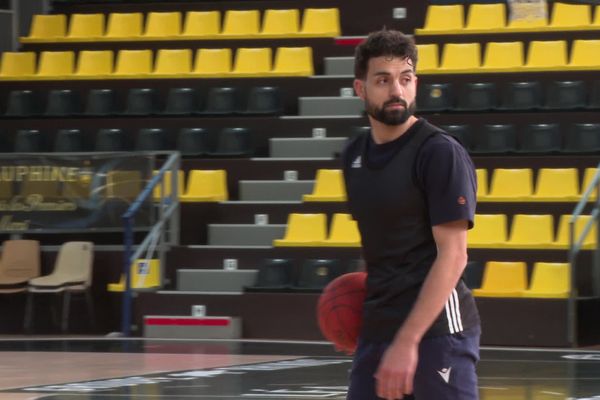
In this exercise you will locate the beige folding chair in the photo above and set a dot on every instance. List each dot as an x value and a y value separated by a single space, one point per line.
20 262
72 274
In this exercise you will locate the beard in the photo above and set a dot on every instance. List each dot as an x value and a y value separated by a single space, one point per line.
391 117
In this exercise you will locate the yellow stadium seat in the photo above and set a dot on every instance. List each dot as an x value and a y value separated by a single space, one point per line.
163 25
167 185
280 23
144 274
596 21
588 176
461 57
47 28
549 55
585 54
557 184
206 185
429 59
86 27
202 24
562 237
173 63
133 63
124 26
94 64
293 61
549 280
320 22
343 233
56 64
17 65
503 56
482 183
486 18
303 230
511 185
252 62
531 231
242 23
212 62
441 19
570 16
329 186
503 279
124 185
489 231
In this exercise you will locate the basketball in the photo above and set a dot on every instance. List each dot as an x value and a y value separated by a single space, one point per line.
339 310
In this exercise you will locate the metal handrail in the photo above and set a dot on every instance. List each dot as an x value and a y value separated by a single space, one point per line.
575 246
168 209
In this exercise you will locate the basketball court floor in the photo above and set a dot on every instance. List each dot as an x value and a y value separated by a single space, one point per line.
107 368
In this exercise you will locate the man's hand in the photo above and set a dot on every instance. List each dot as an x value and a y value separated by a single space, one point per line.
396 372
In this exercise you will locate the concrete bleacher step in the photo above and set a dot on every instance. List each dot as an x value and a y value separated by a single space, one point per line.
244 234
339 66
306 147
215 280
191 327
274 190
337 105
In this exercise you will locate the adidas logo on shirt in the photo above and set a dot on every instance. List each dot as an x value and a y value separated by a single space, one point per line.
357 163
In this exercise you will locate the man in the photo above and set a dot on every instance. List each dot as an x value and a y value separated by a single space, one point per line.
412 190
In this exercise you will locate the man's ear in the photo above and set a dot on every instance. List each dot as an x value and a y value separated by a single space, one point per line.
359 88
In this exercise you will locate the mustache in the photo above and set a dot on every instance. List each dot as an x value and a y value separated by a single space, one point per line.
395 100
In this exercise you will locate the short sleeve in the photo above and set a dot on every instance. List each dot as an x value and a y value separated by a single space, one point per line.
446 173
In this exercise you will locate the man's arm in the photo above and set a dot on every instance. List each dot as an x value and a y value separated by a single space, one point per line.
397 369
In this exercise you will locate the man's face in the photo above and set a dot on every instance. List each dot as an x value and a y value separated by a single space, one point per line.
389 90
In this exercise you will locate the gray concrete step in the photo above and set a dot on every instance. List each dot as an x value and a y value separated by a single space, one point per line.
306 147
215 280
244 234
311 106
339 66
189 327
274 190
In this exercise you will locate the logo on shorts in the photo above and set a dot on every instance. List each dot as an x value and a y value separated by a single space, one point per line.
461 200
445 374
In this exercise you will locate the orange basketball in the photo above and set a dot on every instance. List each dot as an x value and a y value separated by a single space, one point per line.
339 310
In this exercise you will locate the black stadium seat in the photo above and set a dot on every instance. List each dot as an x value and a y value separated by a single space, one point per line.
541 138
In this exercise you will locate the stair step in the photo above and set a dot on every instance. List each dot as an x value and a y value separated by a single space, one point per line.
306 147
244 234
215 280
312 106
339 66
274 190
189 327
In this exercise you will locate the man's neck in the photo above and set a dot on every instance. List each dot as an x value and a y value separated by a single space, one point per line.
383 133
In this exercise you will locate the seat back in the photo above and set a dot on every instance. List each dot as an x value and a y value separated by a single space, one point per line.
124 25
74 263
274 274
556 184
588 176
585 53
461 57
488 230
252 61
163 25
86 26
173 62
321 22
316 274
344 230
429 59
304 228
329 186
182 101
213 62
444 18
477 96
47 27
241 23
562 237
522 96
167 185
504 276
281 22
23 103
95 63
565 95
532 231
141 101
151 139
550 280
435 97
571 15
56 64
18 64
482 182
583 138
29 141
541 138
503 56
69 140
488 17
547 55
202 23
192 141
101 102
496 138
110 139
20 261
231 142
206 185
133 62
293 61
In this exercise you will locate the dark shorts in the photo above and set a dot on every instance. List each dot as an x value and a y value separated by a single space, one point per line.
446 368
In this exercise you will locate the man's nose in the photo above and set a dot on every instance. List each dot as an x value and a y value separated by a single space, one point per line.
396 89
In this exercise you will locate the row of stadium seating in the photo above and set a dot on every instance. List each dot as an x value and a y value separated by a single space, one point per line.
528 139
230 142
510 96
170 63
198 25
262 100
542 55
528 231
488 18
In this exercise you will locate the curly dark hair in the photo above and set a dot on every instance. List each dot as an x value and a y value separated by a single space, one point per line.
383 43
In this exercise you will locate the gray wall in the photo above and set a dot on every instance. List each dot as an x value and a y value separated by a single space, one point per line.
15 20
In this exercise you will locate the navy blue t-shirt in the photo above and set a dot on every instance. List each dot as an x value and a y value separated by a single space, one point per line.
440 170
